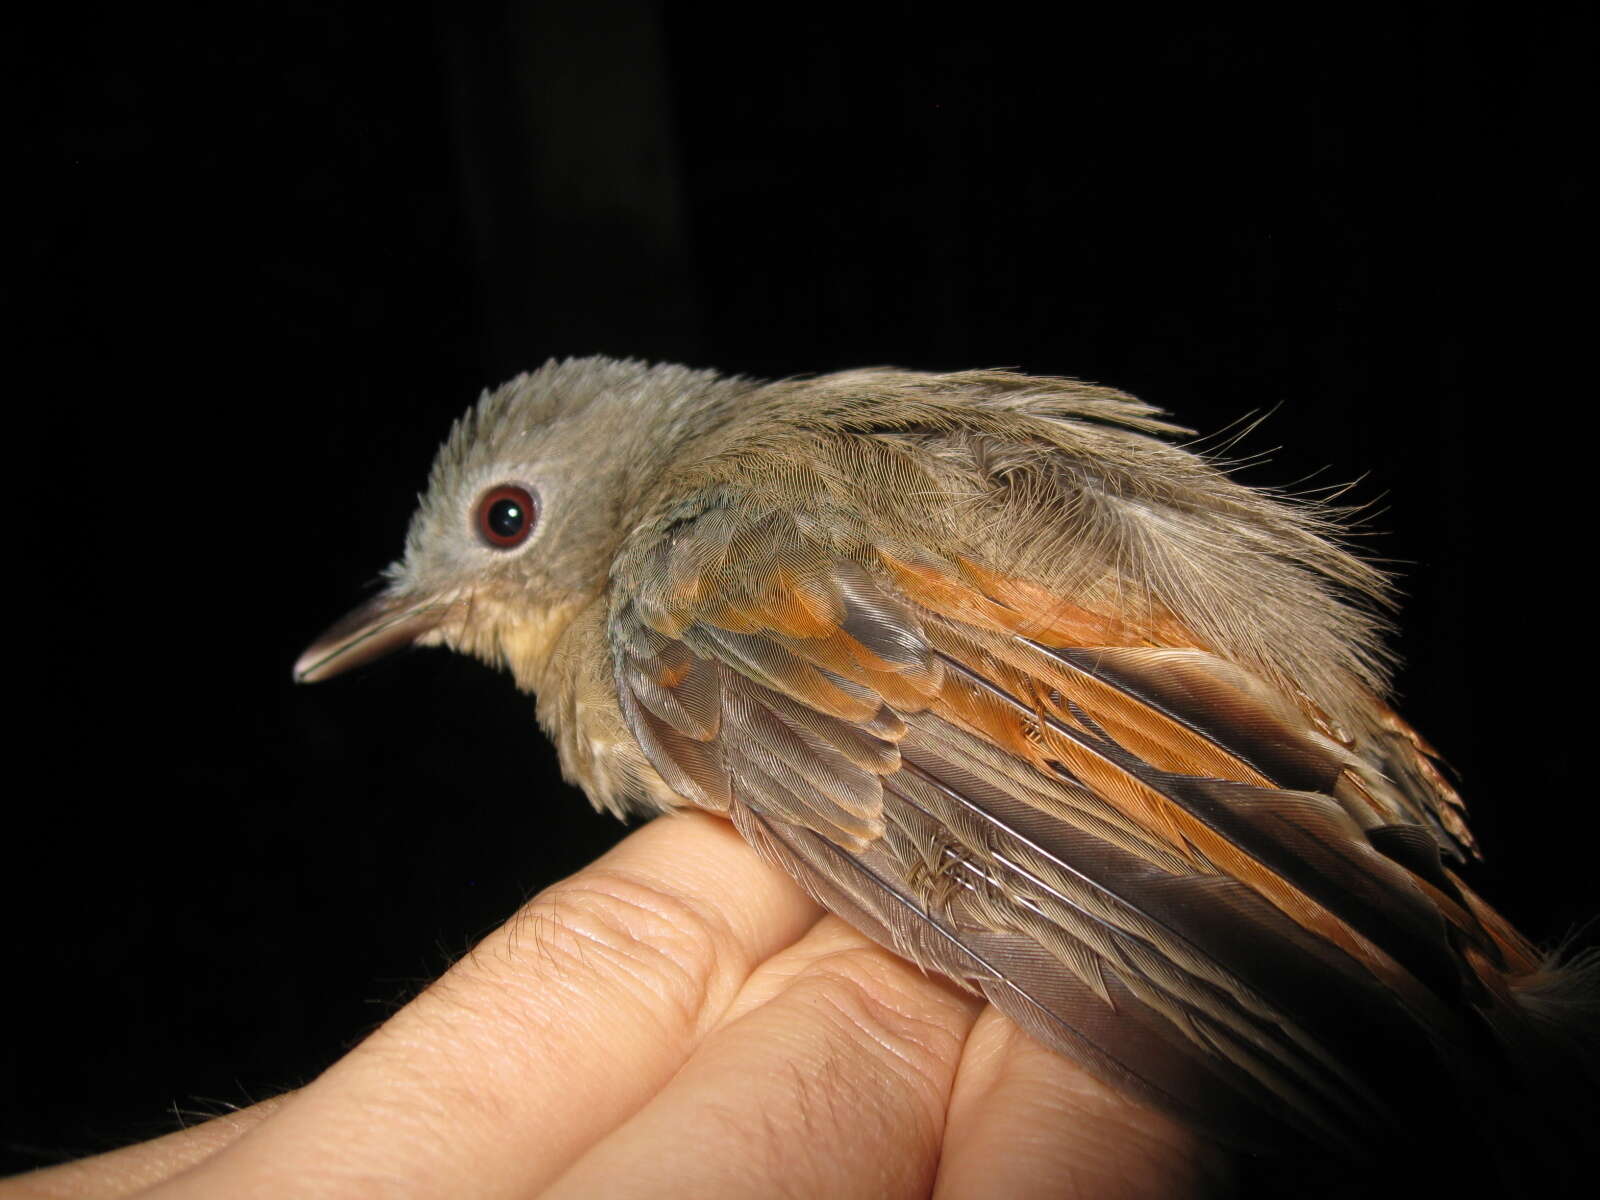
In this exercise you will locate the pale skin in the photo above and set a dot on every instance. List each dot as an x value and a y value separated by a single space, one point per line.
677 1019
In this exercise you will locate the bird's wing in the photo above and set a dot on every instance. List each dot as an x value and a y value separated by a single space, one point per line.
1136 850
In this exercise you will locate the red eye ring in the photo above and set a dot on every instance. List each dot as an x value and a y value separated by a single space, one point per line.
506 516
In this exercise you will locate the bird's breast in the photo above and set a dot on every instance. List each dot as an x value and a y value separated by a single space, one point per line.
578 708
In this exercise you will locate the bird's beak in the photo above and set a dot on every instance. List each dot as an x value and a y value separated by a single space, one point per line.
383 624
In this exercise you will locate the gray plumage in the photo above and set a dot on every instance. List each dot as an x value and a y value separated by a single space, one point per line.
1033 696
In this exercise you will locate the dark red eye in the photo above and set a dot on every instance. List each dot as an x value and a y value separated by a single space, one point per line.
506 515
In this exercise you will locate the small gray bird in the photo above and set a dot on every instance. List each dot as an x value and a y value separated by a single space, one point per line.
1033 697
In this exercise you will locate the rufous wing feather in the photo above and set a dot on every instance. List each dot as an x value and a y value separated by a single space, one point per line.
1154 861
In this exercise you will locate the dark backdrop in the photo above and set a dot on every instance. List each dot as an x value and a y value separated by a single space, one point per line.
272 253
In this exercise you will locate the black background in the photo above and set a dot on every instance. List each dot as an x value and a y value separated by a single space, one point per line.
272 252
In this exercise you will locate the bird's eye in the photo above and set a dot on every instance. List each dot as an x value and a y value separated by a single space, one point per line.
506 515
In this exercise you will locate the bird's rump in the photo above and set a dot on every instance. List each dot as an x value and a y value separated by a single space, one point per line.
1197 870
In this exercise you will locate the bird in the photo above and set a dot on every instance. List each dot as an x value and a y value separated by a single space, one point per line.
1010 675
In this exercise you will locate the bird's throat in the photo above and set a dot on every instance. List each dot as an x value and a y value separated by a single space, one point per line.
510 633
528 644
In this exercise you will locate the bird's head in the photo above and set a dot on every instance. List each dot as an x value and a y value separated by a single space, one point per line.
527 501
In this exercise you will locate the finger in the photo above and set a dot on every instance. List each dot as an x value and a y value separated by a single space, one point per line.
830 1079
1026 1122
133 1168
550 1033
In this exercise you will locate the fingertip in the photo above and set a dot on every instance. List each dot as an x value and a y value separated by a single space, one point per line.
1026 1122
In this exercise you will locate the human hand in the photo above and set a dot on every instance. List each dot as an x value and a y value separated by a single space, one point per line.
677 1019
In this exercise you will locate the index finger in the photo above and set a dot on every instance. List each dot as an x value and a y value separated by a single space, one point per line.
555 1029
